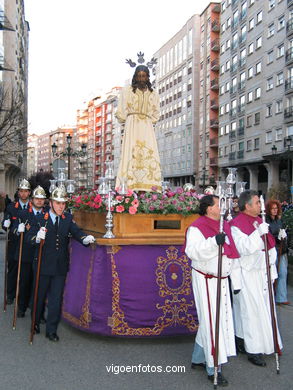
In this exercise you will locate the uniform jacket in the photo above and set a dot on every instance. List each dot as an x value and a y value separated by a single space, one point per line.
55 253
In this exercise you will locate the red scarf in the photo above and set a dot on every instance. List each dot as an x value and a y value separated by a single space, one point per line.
210 228
247 224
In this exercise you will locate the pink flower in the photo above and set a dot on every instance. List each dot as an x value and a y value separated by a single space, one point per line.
154 188
151 208
78 199
132 210
127 200
174 201
129 193
181 198
97 199
119 198
135 202
179 190
154 197
120 209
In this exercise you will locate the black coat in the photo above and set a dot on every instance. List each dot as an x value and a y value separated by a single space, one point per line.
55 253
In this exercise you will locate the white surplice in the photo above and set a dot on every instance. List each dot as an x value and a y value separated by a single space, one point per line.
251 307
204 255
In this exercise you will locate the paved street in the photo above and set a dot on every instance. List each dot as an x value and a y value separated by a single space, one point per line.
79 360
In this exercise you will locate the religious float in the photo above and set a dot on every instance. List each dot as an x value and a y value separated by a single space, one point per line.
136 281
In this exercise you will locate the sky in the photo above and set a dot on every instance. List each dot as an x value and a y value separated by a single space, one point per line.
77 49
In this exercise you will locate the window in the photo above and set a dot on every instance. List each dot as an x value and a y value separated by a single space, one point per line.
223 6
251 24
233 126
222 130
227 129
249 97
249 121
258 43
280 78
223 27
227 107
271 4
259 17
228 44
222 48
280 51
281 22
279 134
250 48
271 30
269 111
228 65
228 23
251 2
227 86
257 93
257 118
270 56
250 72
269 137
279 106
270 83
222 69
256 143
222 89
258 68
249 145
221 110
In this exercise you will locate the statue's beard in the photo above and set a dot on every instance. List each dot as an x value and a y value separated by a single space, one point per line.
141 84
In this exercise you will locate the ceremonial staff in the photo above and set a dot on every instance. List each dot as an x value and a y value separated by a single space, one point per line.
272 306
5 272
17 281
36 291
222 202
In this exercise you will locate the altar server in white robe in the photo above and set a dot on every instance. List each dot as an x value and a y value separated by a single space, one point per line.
202 243
251 306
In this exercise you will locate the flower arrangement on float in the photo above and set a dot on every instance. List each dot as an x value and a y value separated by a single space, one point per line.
178 201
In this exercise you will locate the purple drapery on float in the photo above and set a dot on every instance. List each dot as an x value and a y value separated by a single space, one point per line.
130 291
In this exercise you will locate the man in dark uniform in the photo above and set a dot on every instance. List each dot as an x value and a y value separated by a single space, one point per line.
54 228
10 222
26 219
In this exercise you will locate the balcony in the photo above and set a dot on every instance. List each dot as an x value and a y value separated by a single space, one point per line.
241 131
214 123
289 85
233 89
288 114
214 161
214 104
215 44
243 14
241 109
289 2
214 142
216 26
242 62
289 56
233 67
232 156
240 154
232 135
233 112
215 65
241 85
215 84
289 27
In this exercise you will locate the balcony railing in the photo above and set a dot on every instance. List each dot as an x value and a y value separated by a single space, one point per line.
289 27
289 55
232 156
232 135
214 142
214 104
215 64
289 85
214 161
233 112
289 2
240 154
217 8
233 67
288 112
233 89
215 83
242 61
241 85
241 131
214 123
216 26
215 44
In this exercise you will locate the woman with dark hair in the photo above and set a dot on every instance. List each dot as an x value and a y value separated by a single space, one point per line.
273 218
138 109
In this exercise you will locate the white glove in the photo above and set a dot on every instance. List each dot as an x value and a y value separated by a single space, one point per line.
7 223
88 240
41 234
282 234
21 228
263 228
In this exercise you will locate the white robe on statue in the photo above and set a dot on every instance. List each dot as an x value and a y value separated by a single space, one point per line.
251 306
204 255
139 162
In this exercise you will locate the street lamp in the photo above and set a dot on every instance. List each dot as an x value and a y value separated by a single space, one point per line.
69 151
274 150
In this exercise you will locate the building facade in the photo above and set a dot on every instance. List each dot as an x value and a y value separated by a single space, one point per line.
14 31
255 114
177 82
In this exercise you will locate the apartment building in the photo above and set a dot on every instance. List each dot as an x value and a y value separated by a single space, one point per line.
255 92
209 95
14 31
32 155
177 82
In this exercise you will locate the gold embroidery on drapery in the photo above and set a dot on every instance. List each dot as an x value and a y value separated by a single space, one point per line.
86 317
175 309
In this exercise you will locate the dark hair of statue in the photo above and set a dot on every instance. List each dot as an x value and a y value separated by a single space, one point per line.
205 202
246 197
141 68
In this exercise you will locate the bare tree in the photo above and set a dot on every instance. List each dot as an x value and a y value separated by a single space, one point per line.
13 125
